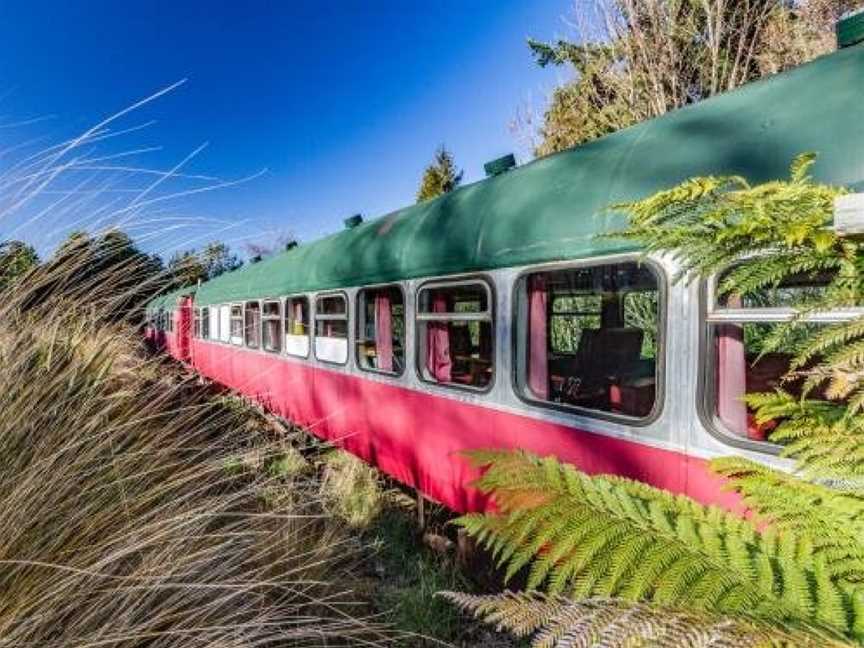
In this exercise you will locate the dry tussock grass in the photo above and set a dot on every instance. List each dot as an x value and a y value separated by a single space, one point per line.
122 525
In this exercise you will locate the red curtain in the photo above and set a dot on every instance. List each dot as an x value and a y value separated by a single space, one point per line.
438 361
383 331
538 360
732 375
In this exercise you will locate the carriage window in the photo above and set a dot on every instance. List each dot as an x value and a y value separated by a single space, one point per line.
252 324
297 326
214 323
272 327
196 326
381 330
331 329
751 345
225 323
455 334
236 335
590 338
205 323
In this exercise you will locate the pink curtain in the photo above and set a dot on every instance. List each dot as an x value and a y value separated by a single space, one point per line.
383 331
298 311
732 375
538 360
438 361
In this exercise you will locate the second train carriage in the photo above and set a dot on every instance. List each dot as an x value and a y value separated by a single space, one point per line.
496 317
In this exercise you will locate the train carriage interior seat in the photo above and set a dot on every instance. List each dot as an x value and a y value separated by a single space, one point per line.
606 373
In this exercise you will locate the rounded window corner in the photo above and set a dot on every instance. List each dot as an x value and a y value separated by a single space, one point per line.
422 318
520 339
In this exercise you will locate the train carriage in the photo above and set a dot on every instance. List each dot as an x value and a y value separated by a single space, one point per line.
500 315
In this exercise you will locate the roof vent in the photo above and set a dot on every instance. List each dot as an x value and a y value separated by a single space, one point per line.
499 166
353 221
850 29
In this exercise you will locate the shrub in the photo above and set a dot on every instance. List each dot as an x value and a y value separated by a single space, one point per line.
351 489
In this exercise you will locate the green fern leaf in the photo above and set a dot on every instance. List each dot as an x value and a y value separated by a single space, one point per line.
580 540
558 622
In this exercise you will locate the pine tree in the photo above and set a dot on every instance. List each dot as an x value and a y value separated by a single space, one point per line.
218 259
16 260
186 268
439 177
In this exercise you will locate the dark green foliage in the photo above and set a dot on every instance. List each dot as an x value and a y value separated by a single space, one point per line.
186 269
439 177
218 258
16 260
106 271
189 267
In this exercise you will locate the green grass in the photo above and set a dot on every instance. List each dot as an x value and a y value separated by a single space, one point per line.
410 575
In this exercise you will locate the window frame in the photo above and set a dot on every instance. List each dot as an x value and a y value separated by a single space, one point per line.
227 332
280 321
215 316
231 317
419 318
360 313
309 325
518 370
314 317
246 344
712 314
205 317
196 323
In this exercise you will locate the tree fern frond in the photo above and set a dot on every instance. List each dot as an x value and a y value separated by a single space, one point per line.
800 167
822 436
557 622
747 278
829 338
855 406
833 519
589 535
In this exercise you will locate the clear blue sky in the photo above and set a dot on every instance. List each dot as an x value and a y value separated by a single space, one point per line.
342 102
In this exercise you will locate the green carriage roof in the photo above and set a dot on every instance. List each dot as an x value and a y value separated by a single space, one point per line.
553 208
169 300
